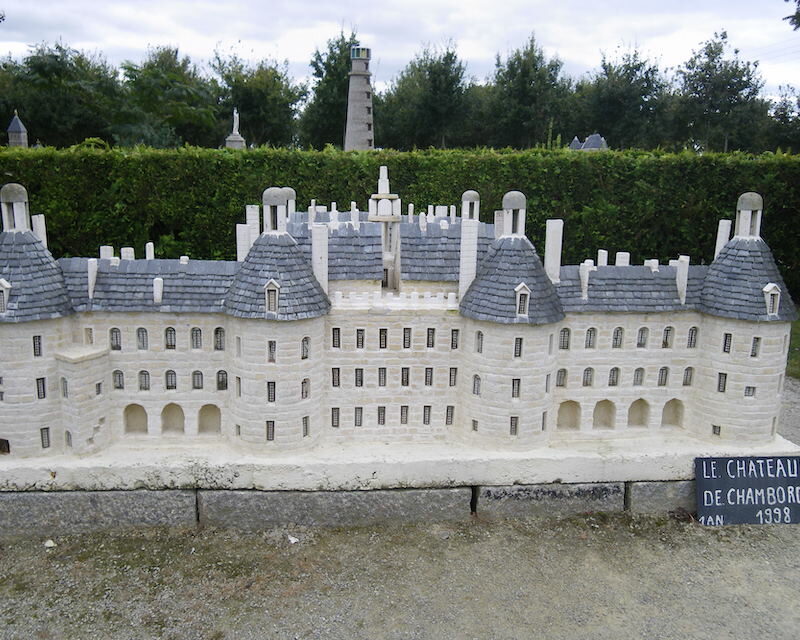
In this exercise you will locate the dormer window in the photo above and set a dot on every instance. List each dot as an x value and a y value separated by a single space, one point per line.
523 298
5 291
271 291
772 298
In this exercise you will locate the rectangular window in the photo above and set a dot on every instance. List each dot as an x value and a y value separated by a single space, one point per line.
270 430
385 279
749 392
722 382
359 338
663 374
727 339
41 388
453 376
426 414
359 377
335 380
716 429
272 300
547 383
306 428
522 308
755 347
238 387
64 388
272 349
688 374
449 413
515 386
474 425
514 425
479 342
517 347
381 376
544 421
454 338
44 434
238 346
428 376
358 416
37 346
404 375
88 335
271 391
381 415
406 337
638 377
118 380
550 344
336 337
383 338
641 338
431 338
98 388
561 378
404 414
335 417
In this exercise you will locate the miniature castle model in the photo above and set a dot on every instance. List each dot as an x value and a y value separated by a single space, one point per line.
358 134
594 142
377 326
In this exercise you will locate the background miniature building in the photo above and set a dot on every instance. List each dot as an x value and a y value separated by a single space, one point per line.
380 326
594 142
17 133
358 133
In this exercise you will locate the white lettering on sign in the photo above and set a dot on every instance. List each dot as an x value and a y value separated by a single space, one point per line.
762 468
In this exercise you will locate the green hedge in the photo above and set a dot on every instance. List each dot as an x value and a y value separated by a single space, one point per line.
655 205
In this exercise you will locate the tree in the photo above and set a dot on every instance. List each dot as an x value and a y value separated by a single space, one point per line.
530 94
265 96
324 116
785 133
167 94
720 96
794 19
63 96
423 106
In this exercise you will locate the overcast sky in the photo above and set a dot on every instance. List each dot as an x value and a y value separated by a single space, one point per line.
578 32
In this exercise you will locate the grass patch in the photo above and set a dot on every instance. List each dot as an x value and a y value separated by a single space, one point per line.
793 362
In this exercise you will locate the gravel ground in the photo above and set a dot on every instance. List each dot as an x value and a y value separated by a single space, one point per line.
588 577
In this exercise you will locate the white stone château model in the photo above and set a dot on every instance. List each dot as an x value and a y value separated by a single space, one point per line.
381 327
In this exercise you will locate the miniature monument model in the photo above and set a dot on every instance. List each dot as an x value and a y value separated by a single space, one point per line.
235 139
341 328
358 134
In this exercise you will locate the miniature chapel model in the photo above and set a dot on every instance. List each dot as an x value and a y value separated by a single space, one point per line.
378 326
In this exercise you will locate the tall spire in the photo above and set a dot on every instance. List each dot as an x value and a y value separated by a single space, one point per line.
17 133
358 133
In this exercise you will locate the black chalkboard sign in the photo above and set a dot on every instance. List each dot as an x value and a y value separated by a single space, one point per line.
758 490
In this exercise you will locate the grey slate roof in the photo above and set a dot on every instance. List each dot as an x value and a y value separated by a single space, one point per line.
38 291
734 283
633 288
352 255
198 286
16 126
435 254
276 256
509 261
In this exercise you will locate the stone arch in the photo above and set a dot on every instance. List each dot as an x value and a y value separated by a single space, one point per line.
172 419
569 415
604 415
134 419
209 419
672 415
639 413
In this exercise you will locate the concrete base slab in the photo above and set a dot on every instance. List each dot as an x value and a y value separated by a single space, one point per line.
550 500
35 513
215 464
254 510
662 497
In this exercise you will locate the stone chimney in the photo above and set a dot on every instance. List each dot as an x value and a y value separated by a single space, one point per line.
319 254
682 277
723 235
515 208
552 249
14 207
470 205
748 215
468 256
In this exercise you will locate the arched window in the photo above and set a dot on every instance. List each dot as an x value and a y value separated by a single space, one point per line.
561 378
141 338
563 339
170 380
197 379
305 388
638 377
222 380
304 348
688 375
197 338
476 385
641 337
691 340
118 379
219 339
663 376
591 338
68 439
666 338
479 342
613 377
588 377
115 339
144 381
169 338
617 337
